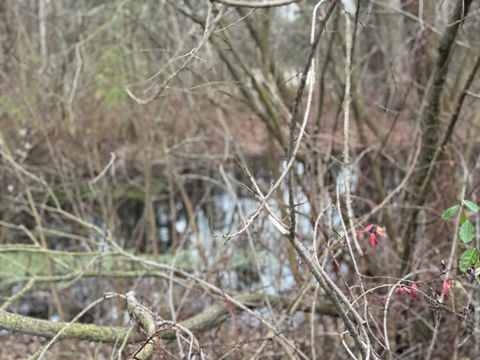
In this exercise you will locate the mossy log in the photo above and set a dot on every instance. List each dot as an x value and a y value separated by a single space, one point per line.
207 319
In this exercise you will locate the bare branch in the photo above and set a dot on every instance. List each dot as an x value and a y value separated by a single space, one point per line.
256 4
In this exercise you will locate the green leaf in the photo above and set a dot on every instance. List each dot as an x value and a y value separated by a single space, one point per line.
450 212
471 205
468 258
467 231
463 217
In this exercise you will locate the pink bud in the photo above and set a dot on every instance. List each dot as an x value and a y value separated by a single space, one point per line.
373 239
373 231
446 286
403 290
414 290
380 231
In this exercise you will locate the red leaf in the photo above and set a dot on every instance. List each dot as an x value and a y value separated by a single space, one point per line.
369 227
446 286
373 239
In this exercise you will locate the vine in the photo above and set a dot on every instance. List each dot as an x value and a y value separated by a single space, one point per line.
469 260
